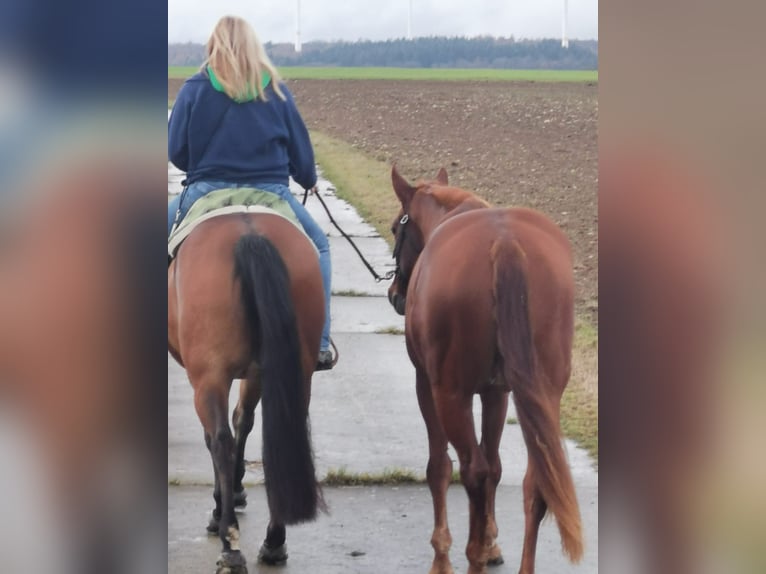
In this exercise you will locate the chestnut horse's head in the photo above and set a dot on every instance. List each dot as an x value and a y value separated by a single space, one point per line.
408 233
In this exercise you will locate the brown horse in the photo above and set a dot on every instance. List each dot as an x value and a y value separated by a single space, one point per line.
245 301
487 296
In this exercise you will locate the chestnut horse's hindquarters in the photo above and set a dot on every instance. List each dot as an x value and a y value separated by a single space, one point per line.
536 408
288 464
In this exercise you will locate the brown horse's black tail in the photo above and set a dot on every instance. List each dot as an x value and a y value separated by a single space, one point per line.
536 409
288 462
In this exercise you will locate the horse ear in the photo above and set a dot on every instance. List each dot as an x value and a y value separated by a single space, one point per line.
404 191
441 177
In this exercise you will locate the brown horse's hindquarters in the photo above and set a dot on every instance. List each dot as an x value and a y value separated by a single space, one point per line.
203 289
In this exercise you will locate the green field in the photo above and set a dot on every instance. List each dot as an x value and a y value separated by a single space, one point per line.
300 73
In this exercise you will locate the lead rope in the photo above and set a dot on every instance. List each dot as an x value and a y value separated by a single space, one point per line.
378 278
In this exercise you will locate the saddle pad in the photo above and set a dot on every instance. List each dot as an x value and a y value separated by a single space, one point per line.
228 201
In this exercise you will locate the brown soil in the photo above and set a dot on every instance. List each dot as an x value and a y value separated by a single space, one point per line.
531 144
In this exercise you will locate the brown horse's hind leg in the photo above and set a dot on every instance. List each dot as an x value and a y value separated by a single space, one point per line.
456 414
439 474
210 400
494 408
215 519
242 420
534 511
274 550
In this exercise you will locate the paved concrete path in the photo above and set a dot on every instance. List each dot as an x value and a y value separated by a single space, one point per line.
364 418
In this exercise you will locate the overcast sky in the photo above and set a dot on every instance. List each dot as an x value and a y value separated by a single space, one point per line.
274 20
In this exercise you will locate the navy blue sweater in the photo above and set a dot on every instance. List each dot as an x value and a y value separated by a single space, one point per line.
212 137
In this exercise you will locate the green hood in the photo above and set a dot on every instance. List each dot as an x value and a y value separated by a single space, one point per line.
265 79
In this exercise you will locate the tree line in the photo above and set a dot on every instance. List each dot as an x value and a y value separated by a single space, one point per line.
433 52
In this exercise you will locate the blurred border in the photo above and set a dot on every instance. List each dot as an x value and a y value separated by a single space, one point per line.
681 196
83 406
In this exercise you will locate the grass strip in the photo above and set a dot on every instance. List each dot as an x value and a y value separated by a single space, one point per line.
362 181
579 405
341 477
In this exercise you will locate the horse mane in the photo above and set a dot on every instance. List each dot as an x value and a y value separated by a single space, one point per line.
452 197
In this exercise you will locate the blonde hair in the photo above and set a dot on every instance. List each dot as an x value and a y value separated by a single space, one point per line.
239 60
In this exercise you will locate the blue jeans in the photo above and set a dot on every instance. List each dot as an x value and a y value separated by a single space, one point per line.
201 188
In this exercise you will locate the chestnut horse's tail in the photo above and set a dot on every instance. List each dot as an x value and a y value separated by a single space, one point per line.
288 463
536 410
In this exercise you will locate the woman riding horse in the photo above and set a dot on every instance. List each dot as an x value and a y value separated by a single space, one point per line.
235 124
245 290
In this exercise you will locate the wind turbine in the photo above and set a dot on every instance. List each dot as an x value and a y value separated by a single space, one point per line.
564 39
298 26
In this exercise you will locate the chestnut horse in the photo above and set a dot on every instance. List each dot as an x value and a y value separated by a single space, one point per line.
245 301
487 296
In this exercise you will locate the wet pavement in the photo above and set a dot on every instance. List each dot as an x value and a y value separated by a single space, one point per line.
369 530
365 418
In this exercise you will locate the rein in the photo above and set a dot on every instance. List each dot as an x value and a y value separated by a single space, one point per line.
378 278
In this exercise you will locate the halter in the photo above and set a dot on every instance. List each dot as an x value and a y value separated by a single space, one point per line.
399 242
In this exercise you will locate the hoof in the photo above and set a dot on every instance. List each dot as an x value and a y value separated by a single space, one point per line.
240 499
496 560
272 556
231 563
495 556
212 525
